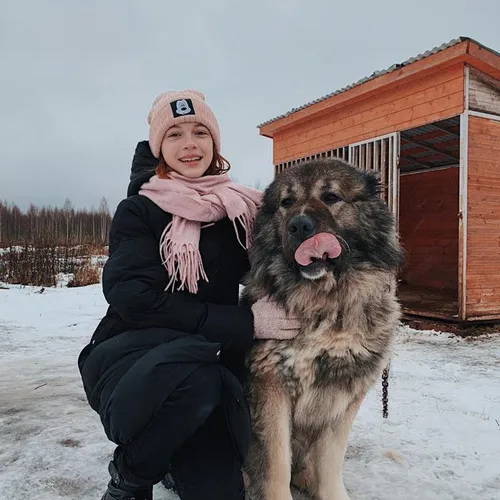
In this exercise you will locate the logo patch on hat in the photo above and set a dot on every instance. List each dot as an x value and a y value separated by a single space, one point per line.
182 107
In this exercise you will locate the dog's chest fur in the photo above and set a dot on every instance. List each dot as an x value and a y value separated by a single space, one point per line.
336 358
324 371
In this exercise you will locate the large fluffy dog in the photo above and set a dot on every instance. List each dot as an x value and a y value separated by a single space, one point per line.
325 247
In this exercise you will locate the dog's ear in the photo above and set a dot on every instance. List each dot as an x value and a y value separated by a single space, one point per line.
372 183
271 199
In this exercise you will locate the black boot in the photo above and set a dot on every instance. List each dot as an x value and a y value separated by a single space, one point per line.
119 489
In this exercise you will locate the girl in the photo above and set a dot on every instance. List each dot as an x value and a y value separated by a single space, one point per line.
165 367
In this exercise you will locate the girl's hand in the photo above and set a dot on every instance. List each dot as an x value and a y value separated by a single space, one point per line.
272 322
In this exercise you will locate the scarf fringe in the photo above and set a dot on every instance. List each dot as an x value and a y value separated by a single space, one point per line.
247 224
183 263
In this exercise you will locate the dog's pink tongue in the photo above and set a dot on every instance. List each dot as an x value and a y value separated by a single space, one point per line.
320 246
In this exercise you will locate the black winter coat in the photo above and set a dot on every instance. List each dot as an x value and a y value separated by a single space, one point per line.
134 282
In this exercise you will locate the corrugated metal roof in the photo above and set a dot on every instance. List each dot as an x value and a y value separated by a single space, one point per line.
376 74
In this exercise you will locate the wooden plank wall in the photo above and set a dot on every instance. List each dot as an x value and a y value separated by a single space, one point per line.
483 219
428 226
484 92
418 102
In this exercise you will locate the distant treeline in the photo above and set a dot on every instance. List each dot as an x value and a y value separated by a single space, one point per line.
64 226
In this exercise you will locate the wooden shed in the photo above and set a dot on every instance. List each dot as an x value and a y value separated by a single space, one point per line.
431 127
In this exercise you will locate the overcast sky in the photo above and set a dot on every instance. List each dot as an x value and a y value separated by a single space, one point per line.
77 78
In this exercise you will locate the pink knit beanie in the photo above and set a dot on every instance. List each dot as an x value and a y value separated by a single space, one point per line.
172 108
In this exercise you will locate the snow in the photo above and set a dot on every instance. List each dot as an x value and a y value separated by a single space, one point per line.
441 440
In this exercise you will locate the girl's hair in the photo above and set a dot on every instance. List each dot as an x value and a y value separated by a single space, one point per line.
219 165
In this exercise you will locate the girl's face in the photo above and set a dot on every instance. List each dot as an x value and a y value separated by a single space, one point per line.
188 149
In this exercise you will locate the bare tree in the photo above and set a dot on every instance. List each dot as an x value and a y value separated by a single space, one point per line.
62 226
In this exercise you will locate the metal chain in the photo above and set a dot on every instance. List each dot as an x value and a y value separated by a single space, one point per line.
385 391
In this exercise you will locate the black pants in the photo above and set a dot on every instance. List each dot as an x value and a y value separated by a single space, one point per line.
190 432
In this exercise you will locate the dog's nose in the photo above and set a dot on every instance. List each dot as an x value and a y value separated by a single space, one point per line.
301 226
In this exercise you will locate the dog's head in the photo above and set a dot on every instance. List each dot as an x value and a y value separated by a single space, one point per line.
322 217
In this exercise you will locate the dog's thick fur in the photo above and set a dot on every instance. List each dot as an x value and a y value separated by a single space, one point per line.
304 393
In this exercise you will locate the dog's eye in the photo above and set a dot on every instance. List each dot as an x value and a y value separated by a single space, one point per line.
330 198
287 202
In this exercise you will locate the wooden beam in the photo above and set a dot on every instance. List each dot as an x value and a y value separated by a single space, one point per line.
462 208
484 59
487 116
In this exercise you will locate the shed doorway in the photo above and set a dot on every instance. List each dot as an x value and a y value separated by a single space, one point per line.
429 219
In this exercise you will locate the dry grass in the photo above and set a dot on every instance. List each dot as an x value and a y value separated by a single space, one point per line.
41 264
88 274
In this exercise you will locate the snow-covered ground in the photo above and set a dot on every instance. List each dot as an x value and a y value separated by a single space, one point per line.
441 440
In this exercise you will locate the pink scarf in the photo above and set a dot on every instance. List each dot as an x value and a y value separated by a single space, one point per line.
191 202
